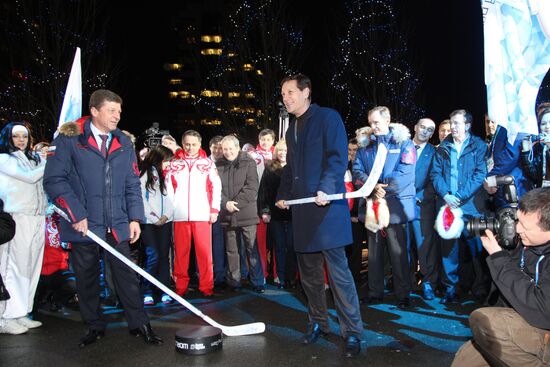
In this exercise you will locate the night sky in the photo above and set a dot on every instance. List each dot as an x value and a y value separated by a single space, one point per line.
445 43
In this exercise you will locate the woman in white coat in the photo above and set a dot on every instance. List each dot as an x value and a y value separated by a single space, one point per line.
21 173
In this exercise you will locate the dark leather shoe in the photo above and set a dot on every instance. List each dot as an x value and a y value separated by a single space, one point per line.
91 337
449 298
352 347
427 291
148 334
369 300
313 335
404 303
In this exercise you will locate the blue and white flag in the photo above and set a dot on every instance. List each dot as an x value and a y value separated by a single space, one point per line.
517 58
72 101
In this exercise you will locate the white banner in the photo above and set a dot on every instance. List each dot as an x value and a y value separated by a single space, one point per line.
517 58
72 101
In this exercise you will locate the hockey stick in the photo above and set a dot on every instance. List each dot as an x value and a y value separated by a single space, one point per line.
364 191
237 330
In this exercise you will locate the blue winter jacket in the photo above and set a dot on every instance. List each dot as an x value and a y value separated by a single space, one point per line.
79 180
398 173
472 170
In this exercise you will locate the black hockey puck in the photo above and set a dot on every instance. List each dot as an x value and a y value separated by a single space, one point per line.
197 339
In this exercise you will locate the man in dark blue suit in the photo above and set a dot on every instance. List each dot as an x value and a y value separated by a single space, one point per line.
423 236
316 164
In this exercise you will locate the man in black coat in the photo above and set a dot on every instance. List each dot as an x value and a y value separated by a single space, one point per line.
316 166
238 214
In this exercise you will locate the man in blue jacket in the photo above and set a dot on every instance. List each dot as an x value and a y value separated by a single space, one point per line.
92 175
423 223
396 187
316 164
457 174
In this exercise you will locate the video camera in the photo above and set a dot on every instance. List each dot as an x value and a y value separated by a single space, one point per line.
153 135
503 222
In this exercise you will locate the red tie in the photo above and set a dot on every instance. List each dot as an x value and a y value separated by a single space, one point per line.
103 148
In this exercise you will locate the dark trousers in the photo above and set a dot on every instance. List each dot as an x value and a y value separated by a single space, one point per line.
354 251
452 260
281 232
85 257
157 242
234 256
218 253
425 246
396 242
60 286
342 287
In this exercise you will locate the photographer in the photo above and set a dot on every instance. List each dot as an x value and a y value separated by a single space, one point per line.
518 334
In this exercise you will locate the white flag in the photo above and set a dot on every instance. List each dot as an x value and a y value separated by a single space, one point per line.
517 57
72 101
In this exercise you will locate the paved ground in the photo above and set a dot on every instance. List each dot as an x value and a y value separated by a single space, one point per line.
426 335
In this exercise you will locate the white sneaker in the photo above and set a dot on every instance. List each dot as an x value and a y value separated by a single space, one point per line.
11 326
28 323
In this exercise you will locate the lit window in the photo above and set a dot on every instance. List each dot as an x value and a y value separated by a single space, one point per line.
211 93
211 122
259 72
231 54
175 81
208 39
249 95
236 109
248 67
173 66
233 94
211 51
250 121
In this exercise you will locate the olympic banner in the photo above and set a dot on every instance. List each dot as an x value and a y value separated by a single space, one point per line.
72 101
517 58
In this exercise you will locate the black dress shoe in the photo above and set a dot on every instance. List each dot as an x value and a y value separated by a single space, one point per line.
313 335
449 298
369 300
148 334
91 336
404 303
352 347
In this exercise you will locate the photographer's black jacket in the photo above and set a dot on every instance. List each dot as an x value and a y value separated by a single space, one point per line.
518 287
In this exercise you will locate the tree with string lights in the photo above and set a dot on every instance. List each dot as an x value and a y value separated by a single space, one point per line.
263 41
371 67
38 42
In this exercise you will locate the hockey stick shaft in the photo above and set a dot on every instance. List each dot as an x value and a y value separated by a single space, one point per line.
245 329
364 191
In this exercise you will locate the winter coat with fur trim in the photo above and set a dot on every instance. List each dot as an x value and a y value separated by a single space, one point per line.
84 184
398 172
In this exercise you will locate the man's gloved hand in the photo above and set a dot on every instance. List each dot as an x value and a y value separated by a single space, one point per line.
452 201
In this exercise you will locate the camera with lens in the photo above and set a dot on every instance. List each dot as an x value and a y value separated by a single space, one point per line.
153 136
503 221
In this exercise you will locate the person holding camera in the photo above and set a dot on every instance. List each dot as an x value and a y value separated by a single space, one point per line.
517 334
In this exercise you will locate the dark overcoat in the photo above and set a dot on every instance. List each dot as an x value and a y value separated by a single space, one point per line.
316 161
240 184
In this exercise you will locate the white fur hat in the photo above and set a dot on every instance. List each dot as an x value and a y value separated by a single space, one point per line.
377 216
449 223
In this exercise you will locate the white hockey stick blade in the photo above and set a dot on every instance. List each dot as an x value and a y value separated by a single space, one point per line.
364 191
237 330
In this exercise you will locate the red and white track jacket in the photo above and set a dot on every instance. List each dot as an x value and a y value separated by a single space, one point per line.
194 187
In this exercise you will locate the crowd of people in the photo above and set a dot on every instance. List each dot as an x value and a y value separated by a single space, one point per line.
230 209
